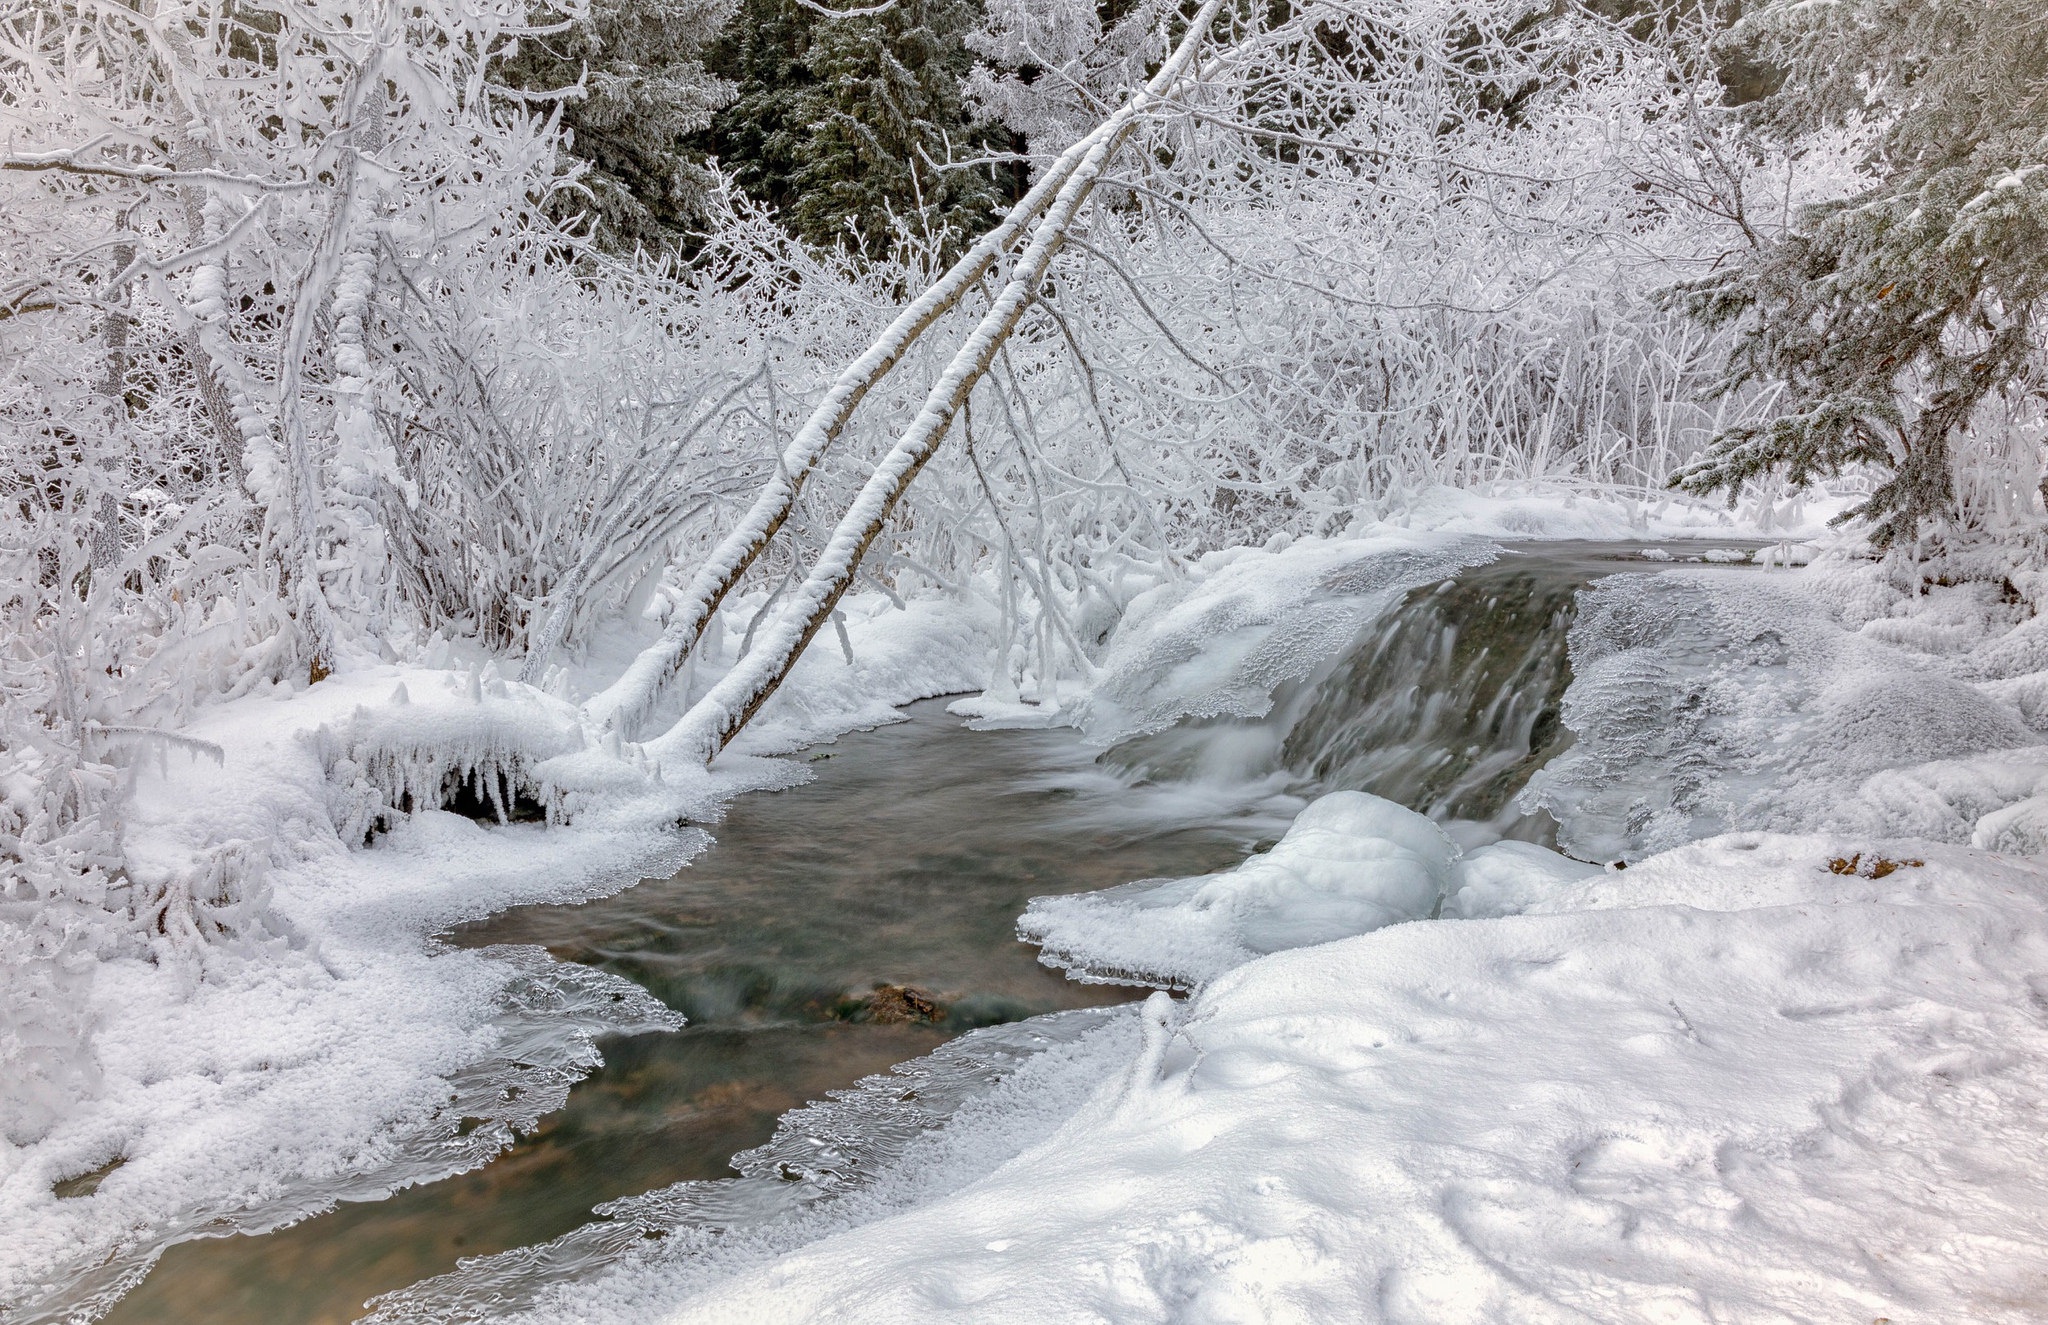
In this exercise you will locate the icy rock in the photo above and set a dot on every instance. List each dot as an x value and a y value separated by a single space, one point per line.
1351 863
1704 702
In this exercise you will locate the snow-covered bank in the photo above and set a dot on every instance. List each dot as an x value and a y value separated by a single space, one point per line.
1759 1077
290 1036
1727 1084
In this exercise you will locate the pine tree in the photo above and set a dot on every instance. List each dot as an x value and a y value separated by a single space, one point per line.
1891 317
646 92
842 123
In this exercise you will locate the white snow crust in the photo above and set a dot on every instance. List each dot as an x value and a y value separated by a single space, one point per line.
331 1050
1724 1085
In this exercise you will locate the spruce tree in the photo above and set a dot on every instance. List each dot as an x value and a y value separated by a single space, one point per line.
1891 316
646 92
841 123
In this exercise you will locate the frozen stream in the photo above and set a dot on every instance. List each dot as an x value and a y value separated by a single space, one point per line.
903 867
906 862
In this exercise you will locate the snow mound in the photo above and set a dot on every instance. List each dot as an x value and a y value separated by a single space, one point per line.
1508 878
1350 863
1726 1084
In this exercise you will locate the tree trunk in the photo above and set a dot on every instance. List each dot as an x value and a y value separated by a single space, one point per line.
714 720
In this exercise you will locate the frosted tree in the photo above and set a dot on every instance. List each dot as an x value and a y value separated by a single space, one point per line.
1904 321
633 90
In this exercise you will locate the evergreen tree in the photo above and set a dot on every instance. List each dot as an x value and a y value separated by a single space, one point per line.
840 123
1892 316
646 92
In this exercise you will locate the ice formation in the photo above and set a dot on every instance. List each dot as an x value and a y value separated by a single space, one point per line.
1350 863
1705 701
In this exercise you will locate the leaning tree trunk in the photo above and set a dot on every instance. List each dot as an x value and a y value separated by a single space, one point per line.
624 704
714 720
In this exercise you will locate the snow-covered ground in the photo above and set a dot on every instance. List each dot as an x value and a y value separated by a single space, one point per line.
1728 1084
1724 1083
332 1050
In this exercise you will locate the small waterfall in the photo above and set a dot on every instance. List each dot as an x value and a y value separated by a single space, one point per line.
1447 702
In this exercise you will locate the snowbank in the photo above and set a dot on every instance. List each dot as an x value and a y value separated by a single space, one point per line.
1727 1084
288 1036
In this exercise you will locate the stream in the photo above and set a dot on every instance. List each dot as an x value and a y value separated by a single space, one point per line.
869 916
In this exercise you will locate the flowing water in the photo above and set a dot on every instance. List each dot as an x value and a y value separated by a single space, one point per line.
865 918
905 863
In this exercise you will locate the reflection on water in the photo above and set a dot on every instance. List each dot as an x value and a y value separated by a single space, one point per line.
906 863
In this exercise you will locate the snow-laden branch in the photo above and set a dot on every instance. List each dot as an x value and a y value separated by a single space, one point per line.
624 704
713 721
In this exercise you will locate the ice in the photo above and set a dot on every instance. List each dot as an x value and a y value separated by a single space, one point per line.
1704 702
1350 863
925 1128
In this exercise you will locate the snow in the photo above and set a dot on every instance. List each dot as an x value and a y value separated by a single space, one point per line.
1751 1076
293 1037
1535 510
1245 620
1726 1084
1350 863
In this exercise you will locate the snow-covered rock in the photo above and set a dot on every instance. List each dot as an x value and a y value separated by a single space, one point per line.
1350 863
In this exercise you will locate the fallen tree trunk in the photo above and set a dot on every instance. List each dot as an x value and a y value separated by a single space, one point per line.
715 719
624 704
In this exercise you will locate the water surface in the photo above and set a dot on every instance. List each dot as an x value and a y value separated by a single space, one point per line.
905 863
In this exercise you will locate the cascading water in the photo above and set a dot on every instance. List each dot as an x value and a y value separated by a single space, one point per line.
1447 702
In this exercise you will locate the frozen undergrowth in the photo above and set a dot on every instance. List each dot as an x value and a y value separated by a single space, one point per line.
322 1048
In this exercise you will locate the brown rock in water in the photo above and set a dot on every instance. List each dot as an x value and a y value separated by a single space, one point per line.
895 1004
